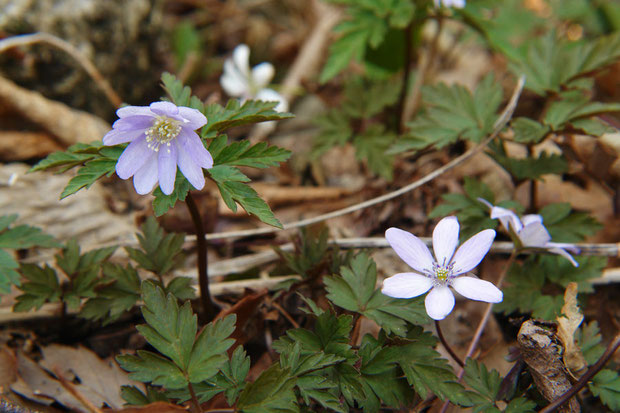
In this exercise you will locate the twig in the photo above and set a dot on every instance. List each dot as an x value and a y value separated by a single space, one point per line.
195 401
285 314
29 39
203 275
583 380
498 126
75 393
454 356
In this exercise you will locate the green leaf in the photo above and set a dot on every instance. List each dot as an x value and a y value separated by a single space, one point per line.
159 252
66 160
272 392
452 113
162 202
89 174
589 340
208 354
528 168
485 383
149 367
25 236
185 41
355 291
236 114
574 106
606 385
179 93
135 397
233 375
237 192
520 405
42 286
243 153
367 98
8 275
527 130
371 147
335 130
565 225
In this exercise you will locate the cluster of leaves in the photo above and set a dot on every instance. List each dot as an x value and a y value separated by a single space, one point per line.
95 161
353 122
109 289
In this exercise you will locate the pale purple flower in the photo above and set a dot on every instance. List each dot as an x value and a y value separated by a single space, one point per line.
238 80
530 231
162 136
458 4
444 271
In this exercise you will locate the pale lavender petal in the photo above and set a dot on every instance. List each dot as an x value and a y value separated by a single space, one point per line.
164 109
146 177
564 254
406 285
469 255
133 122
189 168
167 167
241 58
194 147
134 111
528 219
439 302
133 158
508 218
262 74
534 235
477 289
568 247
270 95
485 202
114 137
445 239
234 85
194 118
410 249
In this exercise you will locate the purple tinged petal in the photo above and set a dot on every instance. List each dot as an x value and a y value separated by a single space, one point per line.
485 202
406 285
530 218
410 249
445 239
194 119
262 74
167 167
146 177
114 137
189 168
133 122
534 235
134 111
439 302
133 158
164 109
192 144
469 255
508 218
568 247
477 289
563 253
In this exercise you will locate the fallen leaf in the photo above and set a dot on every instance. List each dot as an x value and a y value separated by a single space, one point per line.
157 407
567 326
8 368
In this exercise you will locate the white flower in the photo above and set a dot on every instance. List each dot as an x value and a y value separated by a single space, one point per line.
530 231
238 80
459 4
445 270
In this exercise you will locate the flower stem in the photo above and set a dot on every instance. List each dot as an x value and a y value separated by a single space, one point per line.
203 275
583 380
192 393
447 346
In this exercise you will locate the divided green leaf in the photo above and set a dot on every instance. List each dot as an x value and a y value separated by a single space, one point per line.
159 252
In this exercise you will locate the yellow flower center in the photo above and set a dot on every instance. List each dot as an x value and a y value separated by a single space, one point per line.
442 273
163 131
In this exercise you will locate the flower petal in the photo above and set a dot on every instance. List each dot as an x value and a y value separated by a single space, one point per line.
167 169
563 253
194 119
165 109
439 302
410 249
114 137
133 158
477 289
241 59
534 235
262 74
406 285
270 95
146 177
469 255
508 218
133 111
190 141
189 168
528 219
234 85
133 122
445 239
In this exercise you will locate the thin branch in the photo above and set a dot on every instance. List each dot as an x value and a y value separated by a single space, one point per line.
89 67
285 314
583 380
501 121
454 356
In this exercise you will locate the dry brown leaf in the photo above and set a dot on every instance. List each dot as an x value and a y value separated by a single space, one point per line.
567 326
100 380
157 407
8 368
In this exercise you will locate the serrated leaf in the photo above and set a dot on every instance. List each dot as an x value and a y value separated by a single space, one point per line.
149 367
135 397
565 225
208 354
486 383
335 130
589 341
179 93
237 192
67 160
606 385
573 106
236 114
233 375
528 168
527 130
272 392
41 286
371 147
25 236
162 202
520 405
8 275
159 252
89 174
243 153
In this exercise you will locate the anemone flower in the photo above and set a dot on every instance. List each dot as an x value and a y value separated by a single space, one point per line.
445 270
238 80
162 137
458 4
530 231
